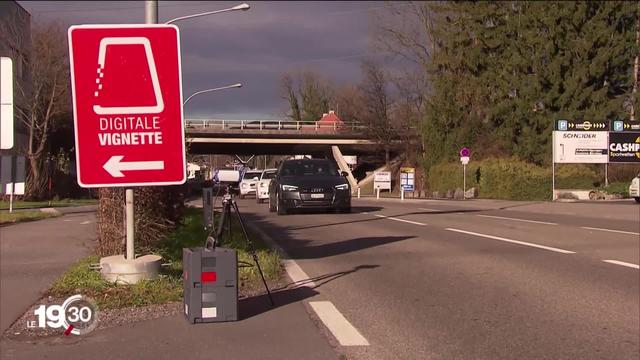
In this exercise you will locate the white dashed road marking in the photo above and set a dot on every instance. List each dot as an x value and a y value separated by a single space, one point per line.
85 222
425 209
402 220
516 219
610 230
340 327
513 241
622 263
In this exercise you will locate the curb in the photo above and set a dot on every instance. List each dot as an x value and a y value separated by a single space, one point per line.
294 272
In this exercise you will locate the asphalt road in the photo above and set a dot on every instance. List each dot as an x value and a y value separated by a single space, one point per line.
473 279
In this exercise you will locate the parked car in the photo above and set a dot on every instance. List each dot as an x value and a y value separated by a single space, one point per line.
309 184
634 188
248 182
262 191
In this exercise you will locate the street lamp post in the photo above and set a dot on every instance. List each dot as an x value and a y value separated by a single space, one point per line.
241 7
210 90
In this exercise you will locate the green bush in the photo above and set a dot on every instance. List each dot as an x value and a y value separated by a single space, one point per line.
495 178
513 179
620 188
576 176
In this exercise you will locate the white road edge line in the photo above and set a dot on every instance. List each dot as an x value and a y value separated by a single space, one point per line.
610 230
513 241
403 220
516 219
622 263
294 271
340 327
425 209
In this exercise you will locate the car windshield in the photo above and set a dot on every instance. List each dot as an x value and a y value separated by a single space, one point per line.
268 175
309 168
251 174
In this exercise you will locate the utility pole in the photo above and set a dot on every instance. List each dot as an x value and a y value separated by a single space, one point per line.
150 17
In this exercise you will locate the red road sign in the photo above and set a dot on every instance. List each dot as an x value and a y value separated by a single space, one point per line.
127 105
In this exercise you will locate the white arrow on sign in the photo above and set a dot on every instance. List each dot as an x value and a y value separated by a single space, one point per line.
114 166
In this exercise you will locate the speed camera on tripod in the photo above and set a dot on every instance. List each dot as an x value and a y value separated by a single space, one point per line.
227 176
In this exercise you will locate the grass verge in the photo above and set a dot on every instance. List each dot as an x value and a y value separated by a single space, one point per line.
22 216
20 204
80 279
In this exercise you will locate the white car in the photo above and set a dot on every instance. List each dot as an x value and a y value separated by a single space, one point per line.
634 188
263 184
249 182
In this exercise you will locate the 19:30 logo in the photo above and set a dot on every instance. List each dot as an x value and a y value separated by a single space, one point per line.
77 315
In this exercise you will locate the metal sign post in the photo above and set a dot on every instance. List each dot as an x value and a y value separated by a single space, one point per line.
465 154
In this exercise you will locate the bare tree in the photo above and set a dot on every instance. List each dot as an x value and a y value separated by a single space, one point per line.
350 104
46 101
289 94
407 31
313 98
377 116
316 94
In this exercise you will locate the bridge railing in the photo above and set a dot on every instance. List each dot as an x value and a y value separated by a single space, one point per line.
302 126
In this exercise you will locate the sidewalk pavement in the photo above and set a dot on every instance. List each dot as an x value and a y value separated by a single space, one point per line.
34 254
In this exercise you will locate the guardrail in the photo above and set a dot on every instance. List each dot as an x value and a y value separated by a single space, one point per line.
216 124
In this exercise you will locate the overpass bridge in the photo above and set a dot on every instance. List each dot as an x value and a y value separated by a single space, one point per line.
282 137
275 137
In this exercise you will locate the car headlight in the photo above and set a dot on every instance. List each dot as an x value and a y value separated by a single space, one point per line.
263 185
342 187
244 185
289 188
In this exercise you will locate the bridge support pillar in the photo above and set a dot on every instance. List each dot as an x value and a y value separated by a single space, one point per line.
342 164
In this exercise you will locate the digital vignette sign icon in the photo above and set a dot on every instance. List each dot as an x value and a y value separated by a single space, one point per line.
127 104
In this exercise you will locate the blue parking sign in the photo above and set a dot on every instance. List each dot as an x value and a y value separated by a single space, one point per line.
562 125
618 125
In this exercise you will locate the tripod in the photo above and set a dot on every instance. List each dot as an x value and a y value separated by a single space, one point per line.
229 203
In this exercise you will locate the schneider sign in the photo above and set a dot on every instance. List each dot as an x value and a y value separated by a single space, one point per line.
580 147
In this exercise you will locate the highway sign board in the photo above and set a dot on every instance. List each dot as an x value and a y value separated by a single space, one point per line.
407 178
127 105
464 160
624 147
382 180
573 125
624 125
580 147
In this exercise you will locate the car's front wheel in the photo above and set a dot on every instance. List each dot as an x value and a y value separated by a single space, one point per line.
272 208
637 199
280 209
